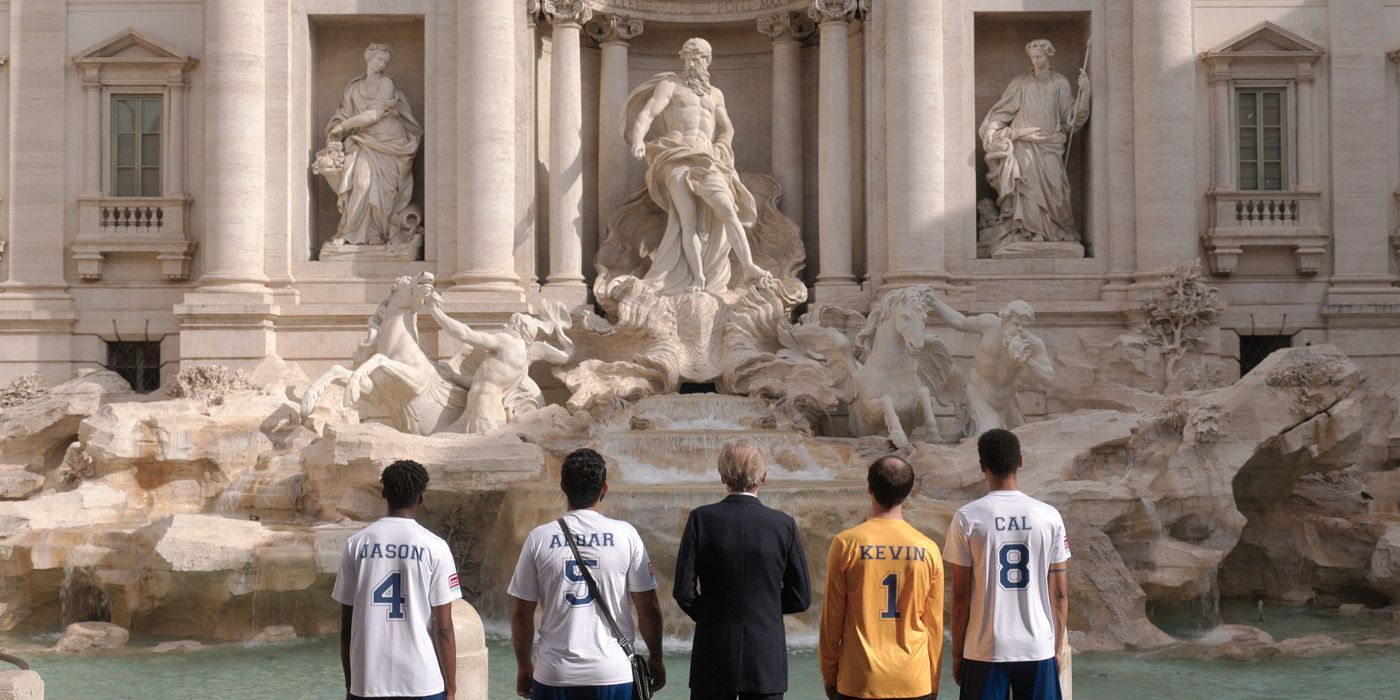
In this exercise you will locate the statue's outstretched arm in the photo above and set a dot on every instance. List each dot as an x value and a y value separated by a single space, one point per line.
459 330
955 319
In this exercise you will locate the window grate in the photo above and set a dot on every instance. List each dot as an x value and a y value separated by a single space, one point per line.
137 362
1254 348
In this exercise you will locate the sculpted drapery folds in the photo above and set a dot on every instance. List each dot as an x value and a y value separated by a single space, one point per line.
368 159
1025 136
691 176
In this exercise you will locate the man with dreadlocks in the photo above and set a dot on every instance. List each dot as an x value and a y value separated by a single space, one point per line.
396 586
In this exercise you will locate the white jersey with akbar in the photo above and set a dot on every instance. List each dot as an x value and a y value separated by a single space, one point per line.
1009 540
576 647
394 572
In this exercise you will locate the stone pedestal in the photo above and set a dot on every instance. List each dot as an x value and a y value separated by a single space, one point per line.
472 662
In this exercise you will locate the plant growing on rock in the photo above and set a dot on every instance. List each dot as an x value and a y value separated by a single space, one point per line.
208 383
1177 317
23 388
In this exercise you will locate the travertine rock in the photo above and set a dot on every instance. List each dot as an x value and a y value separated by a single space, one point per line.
36 434
1107 606
179 645
18 483
92 636
1384 571
343 466
272 634
209 543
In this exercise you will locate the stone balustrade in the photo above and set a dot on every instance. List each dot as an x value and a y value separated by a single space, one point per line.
144 225
1243 220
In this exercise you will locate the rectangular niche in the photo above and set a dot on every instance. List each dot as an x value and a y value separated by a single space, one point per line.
1000 40
338 46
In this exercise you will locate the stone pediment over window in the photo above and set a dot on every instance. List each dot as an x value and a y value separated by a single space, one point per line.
134 199
132 47
1263 191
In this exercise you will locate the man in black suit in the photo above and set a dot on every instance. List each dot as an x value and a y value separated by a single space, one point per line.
739 570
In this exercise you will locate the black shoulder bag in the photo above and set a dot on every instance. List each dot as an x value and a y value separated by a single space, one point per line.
641 673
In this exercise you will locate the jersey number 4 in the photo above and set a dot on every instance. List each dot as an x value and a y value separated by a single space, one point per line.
575 575
390 592
1013 566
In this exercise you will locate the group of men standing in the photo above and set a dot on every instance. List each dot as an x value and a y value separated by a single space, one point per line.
739 569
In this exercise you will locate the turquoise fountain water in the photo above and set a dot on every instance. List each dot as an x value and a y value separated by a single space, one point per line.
310 668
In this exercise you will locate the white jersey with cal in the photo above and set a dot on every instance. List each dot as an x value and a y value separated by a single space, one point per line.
1009 540
575 645
394 572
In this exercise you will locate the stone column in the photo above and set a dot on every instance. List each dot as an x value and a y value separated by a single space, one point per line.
612 34
1221 138
914 144
876 253
175 140
787 32
1116 91
1360 194
1164 118
485 279
228 318
565 282
92 131
835 281
36 309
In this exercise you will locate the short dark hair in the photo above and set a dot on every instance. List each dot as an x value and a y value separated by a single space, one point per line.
891 479
582 478
403 482
999 451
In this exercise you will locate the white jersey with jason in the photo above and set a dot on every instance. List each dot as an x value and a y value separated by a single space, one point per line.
394 572
1009 540
576 646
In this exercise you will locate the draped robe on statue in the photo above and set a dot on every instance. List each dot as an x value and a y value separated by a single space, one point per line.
375 186
708 170
1033 194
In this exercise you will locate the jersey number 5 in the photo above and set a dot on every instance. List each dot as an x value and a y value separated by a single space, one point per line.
390 592
575 575
1013 566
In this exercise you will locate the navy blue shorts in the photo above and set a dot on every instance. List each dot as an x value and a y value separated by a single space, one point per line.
1022 680
439 696
621 691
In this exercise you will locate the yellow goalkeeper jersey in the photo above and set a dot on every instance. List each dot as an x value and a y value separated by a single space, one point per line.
882 615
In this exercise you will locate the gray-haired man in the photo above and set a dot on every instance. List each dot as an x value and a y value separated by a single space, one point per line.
739 570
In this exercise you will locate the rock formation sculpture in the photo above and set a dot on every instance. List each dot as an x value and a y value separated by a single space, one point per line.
1005 350
1025 136
691 176
368 160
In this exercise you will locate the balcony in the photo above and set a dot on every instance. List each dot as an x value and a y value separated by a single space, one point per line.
1243 220
156 226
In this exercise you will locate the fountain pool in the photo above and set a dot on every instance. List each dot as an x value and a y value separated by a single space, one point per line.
310 668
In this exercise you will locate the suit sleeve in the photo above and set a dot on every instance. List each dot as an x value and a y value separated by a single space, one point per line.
797 587
933 617
684 589
833 612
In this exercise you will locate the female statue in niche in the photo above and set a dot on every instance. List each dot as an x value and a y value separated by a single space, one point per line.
1025 136
368 160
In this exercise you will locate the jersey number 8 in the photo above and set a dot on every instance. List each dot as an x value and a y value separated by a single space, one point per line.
1013 566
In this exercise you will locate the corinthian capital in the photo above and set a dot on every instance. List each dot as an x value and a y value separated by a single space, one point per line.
560 11
786 27
832 10
609 28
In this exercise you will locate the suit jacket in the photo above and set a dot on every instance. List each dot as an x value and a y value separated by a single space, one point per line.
739 570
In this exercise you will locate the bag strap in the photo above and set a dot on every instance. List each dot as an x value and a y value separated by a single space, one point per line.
593 591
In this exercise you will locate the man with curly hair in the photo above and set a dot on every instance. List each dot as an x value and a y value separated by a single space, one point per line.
396 586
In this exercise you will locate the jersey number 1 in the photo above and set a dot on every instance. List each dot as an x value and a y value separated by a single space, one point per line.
390 592
1013 566
891 584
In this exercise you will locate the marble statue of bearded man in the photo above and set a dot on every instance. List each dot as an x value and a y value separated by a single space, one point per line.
375 128
1024 136
691 176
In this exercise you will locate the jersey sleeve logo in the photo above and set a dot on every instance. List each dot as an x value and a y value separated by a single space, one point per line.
453 583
